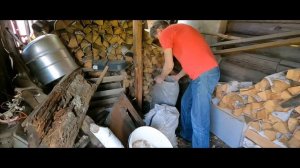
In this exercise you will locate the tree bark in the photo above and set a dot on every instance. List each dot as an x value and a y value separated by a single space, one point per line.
56 122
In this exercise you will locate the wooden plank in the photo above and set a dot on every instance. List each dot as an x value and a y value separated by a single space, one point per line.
133 112
281 68
259 140
290 63
257 29
108 92
259 46
99 103
258 39
108 86
224 36
113 78
101 78
109 79
269 21
137 45
124 119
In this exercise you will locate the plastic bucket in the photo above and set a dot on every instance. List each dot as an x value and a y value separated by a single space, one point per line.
148 137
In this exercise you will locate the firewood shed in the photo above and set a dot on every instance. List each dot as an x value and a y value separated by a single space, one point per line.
103 72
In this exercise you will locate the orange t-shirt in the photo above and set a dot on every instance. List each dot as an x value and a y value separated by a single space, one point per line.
190 49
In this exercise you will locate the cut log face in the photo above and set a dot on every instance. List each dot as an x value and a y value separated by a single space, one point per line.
285 95
279 86
255 125
294 143
265 95
263 85
294 90
281 127
270 105
297 109
238 112
270 134
292 124
266 126
56 122
293 74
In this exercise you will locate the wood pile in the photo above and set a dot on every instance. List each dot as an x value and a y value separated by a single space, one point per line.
153 60
91 40
261 103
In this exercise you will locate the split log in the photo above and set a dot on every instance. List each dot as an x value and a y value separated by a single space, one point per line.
56 122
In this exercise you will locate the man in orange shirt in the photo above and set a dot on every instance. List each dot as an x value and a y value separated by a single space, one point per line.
199 63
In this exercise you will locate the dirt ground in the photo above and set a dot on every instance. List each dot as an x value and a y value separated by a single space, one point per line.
215 142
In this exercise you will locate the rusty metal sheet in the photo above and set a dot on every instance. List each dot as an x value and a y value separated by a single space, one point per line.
124 119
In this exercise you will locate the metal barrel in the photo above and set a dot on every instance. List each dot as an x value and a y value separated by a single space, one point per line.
48 59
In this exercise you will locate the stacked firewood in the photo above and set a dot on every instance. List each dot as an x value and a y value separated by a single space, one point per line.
261 102
91 40
153 61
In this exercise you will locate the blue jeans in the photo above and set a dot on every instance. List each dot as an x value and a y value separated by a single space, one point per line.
195 108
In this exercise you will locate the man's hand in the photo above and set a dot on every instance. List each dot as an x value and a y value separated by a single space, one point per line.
179 75
159 79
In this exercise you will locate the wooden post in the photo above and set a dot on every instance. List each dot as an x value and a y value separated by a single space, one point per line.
137 45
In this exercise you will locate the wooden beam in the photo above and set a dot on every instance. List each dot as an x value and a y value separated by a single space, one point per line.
100 103
259 46
256 29
108 92
56 121
108 79
224 36
259 38
137 45
270 21
259 140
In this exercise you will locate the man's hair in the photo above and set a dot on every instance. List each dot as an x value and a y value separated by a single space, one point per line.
160 24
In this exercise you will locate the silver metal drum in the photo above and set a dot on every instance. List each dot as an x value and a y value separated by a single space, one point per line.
48 59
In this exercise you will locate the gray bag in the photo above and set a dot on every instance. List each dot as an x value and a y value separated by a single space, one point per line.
165 92
164 118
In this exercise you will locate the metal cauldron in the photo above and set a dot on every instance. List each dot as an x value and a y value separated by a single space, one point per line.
48 59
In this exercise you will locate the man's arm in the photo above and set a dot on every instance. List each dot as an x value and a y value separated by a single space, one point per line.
168 65
179 75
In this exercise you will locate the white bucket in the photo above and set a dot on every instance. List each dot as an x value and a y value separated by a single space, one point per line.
148 137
